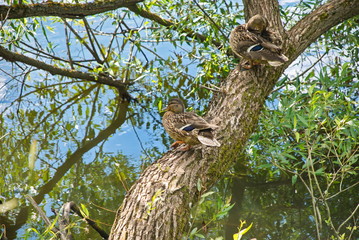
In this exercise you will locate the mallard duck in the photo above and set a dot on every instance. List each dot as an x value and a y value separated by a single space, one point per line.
257 24
187 127
251 41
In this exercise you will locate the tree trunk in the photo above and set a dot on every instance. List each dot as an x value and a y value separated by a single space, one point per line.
157 206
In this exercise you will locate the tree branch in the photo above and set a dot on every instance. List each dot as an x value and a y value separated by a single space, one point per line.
65 10
17 57
158 205
308 29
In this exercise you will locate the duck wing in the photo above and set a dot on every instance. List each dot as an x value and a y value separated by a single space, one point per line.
240 39
258 52
189 121
244 42
270 46
261 51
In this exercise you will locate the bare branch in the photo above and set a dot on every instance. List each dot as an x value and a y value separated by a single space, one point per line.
91 50
16 57
318 22
65 10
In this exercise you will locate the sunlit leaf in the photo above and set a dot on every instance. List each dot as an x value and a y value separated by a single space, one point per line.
239 235
84 210
297 136
8 205
32 154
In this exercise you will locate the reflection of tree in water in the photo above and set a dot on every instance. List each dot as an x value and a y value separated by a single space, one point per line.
76 182
76 81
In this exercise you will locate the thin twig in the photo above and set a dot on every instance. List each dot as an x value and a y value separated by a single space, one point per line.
213 88
211 19
42 54
139 139
3 20
93 39
43 215
304 72
16 57
68 47
350 216
94 54
167 23
111 41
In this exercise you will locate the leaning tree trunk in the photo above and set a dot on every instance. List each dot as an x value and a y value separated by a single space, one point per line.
157 206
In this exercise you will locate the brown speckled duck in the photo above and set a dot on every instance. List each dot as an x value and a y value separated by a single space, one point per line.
253 42
187 127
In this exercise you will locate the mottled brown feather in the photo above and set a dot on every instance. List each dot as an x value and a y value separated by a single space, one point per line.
254 33
175 119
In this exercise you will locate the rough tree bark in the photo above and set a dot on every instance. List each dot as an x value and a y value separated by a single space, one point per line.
157 206
60 9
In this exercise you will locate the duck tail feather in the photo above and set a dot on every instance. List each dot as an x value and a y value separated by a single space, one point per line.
208 142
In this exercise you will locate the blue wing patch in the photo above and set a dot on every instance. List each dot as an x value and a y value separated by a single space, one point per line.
255 48
187 128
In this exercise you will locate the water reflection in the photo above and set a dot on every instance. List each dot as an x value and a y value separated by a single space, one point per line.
93 183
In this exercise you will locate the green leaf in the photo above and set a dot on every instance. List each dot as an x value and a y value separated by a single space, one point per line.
32 230
199 235
287 155
295 122
206 194
199 185
303 120
84 210
294 179
319 172
193 232
159 104
310 90
238 236
32 154
297 136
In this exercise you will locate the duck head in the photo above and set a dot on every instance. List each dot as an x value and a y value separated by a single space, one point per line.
257 24
175 105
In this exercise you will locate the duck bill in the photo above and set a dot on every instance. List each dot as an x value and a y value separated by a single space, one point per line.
165 109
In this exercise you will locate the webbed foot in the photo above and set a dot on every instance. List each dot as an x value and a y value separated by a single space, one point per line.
176 144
